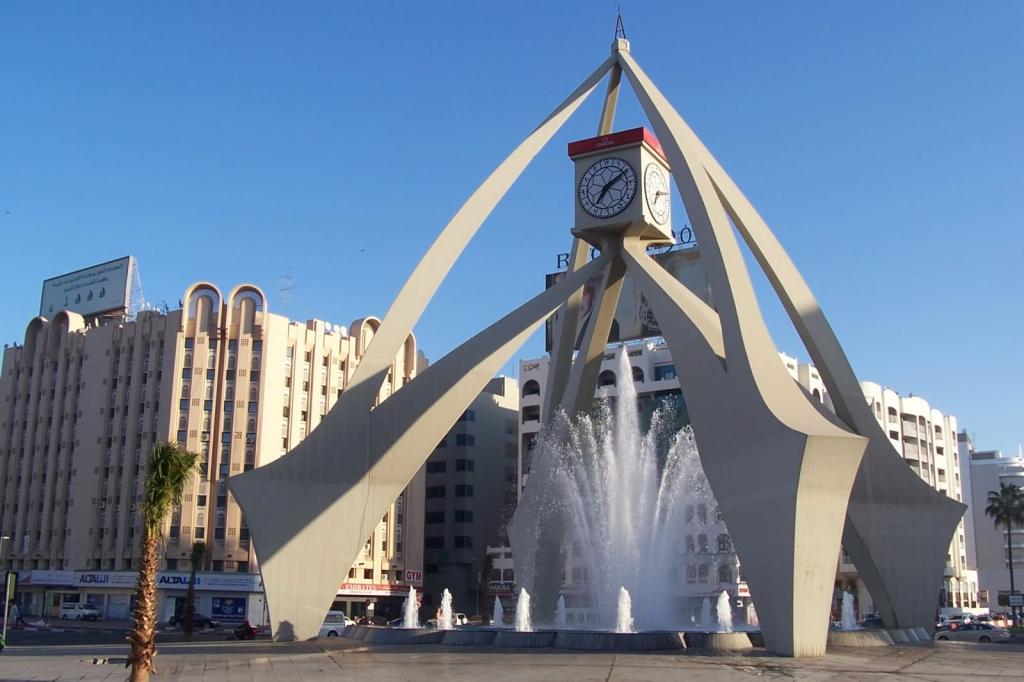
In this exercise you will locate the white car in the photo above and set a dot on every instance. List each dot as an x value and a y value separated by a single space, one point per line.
78 611
335 623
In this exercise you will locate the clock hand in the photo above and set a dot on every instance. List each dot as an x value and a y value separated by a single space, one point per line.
608 186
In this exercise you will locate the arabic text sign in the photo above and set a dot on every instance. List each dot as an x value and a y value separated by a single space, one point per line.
97 289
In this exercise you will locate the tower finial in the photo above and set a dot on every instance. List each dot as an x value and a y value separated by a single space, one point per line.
620 30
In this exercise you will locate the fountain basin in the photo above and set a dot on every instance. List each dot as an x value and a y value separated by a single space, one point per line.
589 640
718 641
859 638
524 640
469 637
379 635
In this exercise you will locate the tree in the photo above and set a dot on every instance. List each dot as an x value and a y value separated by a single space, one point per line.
1006 509
194 559
169 470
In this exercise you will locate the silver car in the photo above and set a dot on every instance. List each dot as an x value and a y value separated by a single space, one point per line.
974 632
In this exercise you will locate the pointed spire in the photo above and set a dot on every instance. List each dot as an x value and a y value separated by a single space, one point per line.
620 30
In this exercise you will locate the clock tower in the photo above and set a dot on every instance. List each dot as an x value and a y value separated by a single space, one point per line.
622 186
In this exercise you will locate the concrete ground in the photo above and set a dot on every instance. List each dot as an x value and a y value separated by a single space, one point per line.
340 659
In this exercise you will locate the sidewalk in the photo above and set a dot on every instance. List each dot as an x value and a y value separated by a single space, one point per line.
347 660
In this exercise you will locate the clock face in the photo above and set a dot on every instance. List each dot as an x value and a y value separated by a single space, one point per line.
657 193
607 187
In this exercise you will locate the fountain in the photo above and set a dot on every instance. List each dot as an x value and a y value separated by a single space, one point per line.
624 621
445 621
849 619
705 614
560 619
724 612
523 612
498 617
630 497
410 611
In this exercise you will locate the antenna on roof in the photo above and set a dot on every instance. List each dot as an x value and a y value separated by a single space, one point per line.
285 291
620 30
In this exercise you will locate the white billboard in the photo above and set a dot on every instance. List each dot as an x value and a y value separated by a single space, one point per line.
98 289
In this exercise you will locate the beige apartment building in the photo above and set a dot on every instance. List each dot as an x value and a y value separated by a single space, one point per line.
83 401
927 440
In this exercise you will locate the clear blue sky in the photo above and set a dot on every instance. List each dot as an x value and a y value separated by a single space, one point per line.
332 141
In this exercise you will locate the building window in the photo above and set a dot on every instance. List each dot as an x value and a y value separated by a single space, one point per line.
435 491
531 387
664 372
437 467
702 543
436 517
465 439
606 378
462 490
464 465
638 375
463 542
724 545
702 573
463 516
435 542
724 574
468 416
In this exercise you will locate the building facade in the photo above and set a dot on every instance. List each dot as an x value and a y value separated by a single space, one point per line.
988 469
85 400
470 496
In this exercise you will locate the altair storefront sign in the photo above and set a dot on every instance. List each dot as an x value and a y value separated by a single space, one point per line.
167 580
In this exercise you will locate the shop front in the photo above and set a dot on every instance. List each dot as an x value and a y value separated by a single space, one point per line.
376 600
228 598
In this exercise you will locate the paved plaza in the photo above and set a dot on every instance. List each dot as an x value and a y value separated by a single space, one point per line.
347 660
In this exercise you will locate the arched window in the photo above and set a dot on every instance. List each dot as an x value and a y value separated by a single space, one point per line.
188 360
229 393
251 426
200 519
606 378
182 423
206 423
220 518
209 391
691 547
817 395
184 391
531 387
231 362
255 362
724 574
254 393
638 375
724 544
702 543
227 423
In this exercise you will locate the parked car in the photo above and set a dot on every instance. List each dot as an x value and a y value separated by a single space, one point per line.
198 621
872 621
974 632
335 624
78 611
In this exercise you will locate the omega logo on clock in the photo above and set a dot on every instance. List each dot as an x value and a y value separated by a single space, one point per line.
656 191
607 187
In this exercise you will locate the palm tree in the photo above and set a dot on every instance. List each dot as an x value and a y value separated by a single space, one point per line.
170 468
1006 508
194 559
